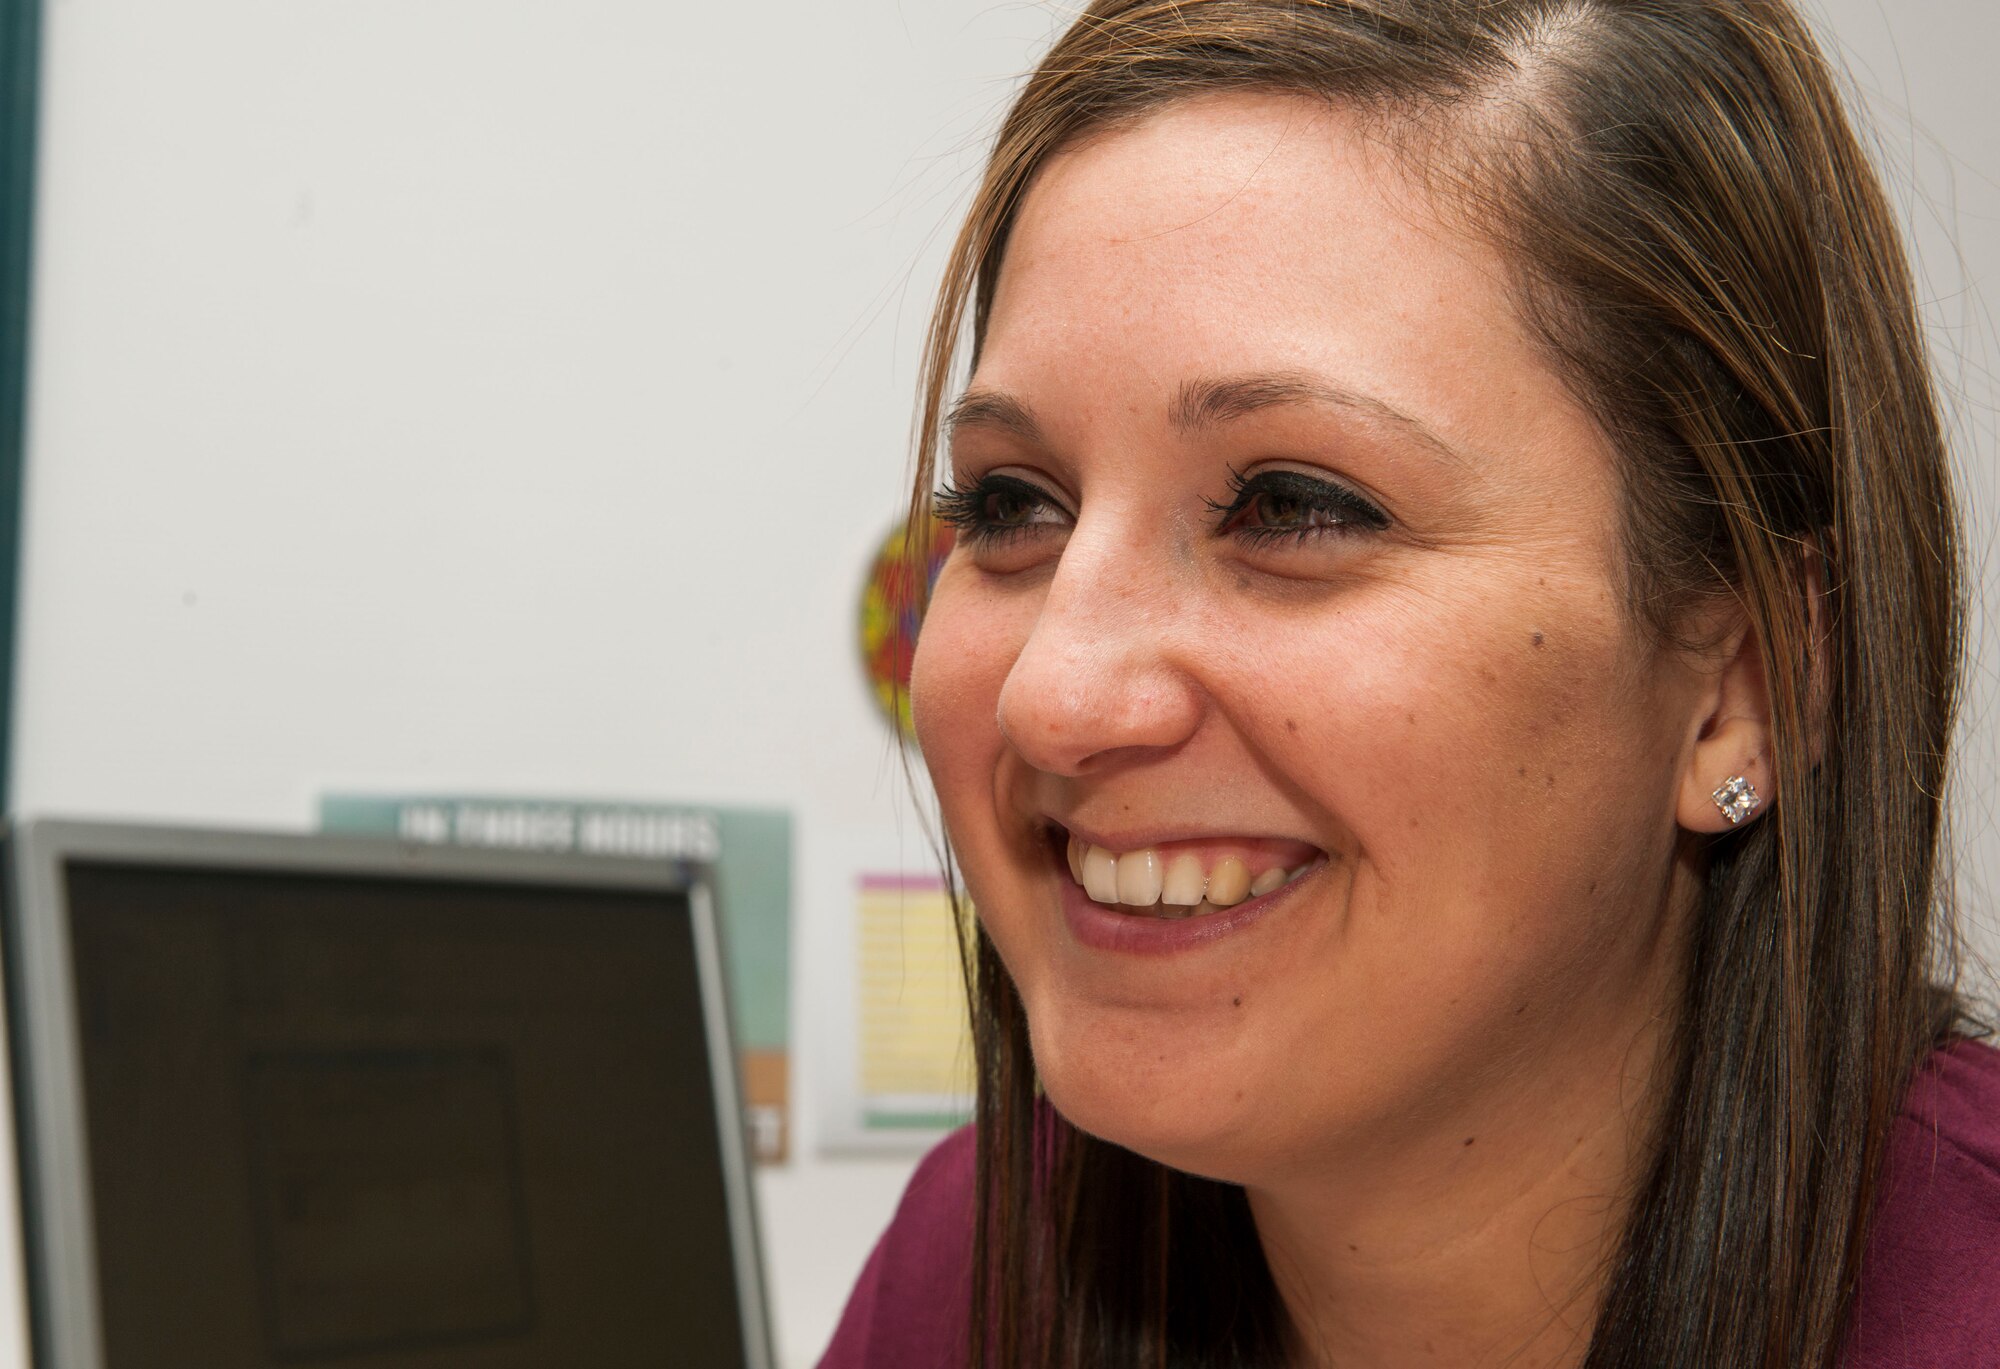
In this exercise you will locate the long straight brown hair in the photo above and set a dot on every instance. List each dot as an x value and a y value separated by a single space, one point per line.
1706 256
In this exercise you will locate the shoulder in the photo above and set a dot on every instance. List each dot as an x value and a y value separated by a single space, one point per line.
910 1305
1930 1282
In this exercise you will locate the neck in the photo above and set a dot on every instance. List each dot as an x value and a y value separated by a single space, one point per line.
1485 1241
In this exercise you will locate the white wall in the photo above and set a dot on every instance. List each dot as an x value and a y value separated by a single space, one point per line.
505 395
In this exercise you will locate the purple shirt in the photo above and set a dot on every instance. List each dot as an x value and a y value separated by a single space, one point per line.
1930 1282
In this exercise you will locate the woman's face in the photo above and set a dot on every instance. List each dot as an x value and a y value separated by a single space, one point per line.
1285 559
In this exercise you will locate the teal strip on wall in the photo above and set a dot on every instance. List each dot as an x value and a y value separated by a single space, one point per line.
20 100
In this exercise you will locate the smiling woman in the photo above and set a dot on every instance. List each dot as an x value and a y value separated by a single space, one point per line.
1438 698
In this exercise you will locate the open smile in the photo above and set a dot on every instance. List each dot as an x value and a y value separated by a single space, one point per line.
1170 894
1187 878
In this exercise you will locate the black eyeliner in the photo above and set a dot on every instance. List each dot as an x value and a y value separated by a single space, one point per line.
970 508
1307 492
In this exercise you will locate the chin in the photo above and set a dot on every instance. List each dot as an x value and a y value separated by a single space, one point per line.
1191 1119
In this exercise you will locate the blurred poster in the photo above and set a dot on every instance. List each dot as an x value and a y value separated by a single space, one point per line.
913 1047
750 850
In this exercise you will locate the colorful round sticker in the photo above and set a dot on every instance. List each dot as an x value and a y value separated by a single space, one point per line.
891 608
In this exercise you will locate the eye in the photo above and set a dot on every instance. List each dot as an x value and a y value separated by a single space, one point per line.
998 508
1291 506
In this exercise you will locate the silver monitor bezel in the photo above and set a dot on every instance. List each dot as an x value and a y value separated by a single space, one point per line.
48 1099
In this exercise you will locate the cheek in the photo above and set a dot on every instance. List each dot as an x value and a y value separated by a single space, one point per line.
970 641
967 646
1490 793
1475 756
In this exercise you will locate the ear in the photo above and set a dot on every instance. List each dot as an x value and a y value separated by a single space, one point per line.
1732 738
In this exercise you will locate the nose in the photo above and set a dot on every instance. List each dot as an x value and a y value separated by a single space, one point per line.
1102 677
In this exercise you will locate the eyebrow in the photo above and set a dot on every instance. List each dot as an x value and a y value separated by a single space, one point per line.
1210 402
993 409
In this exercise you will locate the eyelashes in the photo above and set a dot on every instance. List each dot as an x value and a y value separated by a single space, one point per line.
1272 507
996 508
1276 505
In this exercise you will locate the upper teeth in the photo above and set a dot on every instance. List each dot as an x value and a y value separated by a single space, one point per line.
1144 877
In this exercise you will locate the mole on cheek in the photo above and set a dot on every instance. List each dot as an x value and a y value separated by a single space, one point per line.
1537 639
1291 725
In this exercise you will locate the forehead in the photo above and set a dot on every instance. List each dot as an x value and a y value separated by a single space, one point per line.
1255 231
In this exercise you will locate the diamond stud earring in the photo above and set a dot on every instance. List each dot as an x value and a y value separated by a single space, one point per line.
1736 798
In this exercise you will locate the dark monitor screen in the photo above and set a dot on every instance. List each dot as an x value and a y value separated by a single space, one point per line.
340 1119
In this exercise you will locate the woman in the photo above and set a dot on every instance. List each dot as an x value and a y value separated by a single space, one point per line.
1438 698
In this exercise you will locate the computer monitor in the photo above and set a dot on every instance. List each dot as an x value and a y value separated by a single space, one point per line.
327 1101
